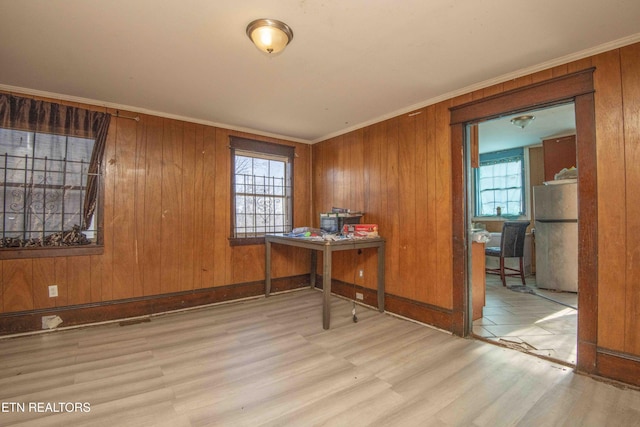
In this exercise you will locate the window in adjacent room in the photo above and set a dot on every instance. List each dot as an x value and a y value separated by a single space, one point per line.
50 159
500 184
262 189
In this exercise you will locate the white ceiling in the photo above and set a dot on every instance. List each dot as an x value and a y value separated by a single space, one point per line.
501 134
351 62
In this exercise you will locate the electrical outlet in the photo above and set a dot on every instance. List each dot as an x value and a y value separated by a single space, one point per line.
361 273
53 291
359 296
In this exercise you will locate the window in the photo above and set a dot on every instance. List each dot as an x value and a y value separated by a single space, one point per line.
50 170
262 201
45 178
500 184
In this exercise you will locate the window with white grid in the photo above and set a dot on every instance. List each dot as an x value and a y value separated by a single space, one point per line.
500 184
261 189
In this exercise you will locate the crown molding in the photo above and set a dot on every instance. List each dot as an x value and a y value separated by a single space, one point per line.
70 98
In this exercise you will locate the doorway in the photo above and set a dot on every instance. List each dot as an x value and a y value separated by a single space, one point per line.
576 87
538 316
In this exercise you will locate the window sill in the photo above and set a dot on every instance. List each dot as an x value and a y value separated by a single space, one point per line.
233 241
60 251
500 218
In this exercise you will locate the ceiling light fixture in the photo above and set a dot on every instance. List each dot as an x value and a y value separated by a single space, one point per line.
269 35
522 121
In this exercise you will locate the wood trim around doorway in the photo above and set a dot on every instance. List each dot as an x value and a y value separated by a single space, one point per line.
577 88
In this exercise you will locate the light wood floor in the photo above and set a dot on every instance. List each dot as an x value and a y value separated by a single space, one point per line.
532 322
267 362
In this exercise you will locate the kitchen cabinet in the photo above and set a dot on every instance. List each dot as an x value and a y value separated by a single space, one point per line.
559 153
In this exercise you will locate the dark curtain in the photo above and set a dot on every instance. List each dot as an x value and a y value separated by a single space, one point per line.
91 195
47 117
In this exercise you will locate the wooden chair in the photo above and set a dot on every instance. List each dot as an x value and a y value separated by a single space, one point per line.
511 246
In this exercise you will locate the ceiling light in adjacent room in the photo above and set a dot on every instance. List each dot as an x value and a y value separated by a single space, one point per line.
522 121
269 35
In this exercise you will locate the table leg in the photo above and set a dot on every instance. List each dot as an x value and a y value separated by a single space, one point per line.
314 260
326 288
381 278
267 268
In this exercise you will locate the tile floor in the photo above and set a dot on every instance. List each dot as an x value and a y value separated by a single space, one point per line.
543 322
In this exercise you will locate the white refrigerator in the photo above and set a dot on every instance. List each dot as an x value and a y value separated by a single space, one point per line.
556 235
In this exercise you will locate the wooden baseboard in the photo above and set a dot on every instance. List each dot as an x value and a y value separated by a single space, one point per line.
425 313
618 366
348 290
14 323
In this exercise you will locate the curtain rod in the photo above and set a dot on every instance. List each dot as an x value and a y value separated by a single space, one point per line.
136 118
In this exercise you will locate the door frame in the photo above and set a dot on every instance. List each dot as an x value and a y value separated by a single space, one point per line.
578 88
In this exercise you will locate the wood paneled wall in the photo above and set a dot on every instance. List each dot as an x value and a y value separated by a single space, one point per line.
399 172
166 222
618 133
167 208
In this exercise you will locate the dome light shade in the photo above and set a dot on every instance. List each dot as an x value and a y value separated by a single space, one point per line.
522 121
269 35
